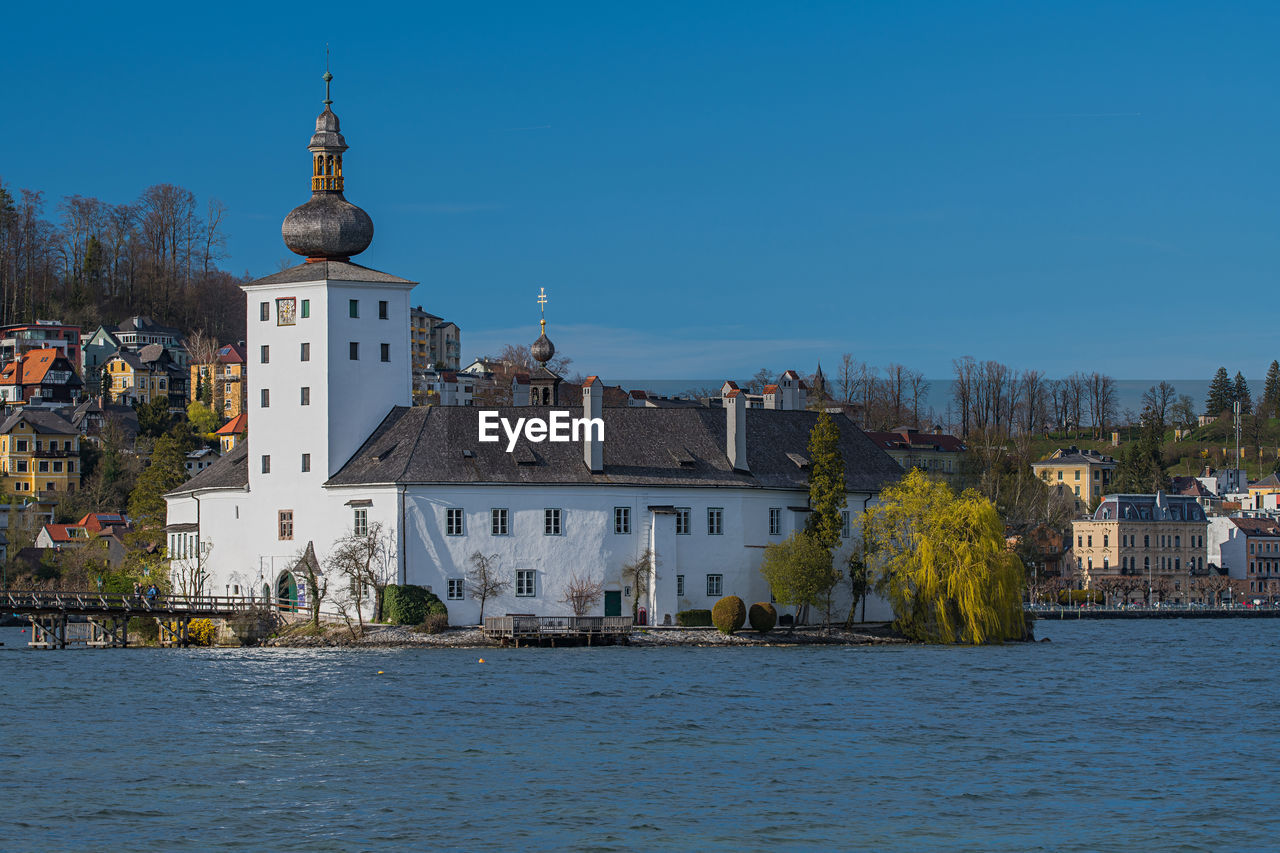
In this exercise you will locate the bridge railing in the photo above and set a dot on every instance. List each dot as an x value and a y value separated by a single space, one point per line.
87 601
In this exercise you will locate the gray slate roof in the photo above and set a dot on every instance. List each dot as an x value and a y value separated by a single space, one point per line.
642 446
330 271
229 472
42 422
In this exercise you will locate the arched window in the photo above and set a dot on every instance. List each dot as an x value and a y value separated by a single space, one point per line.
328 169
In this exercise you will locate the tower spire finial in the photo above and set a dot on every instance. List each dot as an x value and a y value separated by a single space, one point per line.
542 307
328 101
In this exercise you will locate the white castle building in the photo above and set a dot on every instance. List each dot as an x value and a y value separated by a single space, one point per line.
334 446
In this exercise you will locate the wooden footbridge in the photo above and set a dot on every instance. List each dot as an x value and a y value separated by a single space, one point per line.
527 628
108 614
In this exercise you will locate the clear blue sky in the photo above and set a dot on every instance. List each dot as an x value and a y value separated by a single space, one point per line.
707 188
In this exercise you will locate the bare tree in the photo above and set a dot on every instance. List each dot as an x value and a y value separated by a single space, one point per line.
1033 393
963 390
640 574
582 593
484 580
1158 402
918 391
847 379
188 574
364 557
313 577
1102 401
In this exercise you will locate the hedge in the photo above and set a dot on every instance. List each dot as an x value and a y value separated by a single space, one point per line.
1081 596
694 619
763 616
410 605
729 614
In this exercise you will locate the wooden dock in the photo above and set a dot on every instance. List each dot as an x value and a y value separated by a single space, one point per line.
108 614
517 628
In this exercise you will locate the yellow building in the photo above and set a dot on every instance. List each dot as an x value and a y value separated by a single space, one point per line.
226 381
39 454
142 376
1086 474
1157 541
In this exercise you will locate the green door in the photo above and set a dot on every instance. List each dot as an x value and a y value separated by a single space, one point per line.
612 603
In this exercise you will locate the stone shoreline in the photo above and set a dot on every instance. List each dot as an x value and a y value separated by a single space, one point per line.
385 636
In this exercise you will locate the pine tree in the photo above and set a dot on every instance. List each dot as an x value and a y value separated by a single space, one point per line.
1141 467
827 496
1240 394
1221 394
1270 405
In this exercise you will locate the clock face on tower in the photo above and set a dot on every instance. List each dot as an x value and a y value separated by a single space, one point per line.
286 311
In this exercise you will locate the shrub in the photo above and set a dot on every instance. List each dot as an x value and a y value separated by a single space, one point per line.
729 614
434 624
694 619
763 616
410 605
201 632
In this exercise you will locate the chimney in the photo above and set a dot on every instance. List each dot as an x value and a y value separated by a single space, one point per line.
18 396
735 418
593 411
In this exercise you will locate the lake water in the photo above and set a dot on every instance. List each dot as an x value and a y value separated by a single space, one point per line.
1152 735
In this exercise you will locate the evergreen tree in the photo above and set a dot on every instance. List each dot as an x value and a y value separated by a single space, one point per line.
1141 469
827 496
1270 405
1240 394
1221 394
166 472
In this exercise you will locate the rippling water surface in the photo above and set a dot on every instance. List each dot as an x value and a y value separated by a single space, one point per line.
1115 736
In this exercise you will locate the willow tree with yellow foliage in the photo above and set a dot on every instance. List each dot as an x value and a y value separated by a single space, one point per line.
942 561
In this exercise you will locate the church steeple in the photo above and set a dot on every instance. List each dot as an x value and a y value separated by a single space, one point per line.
328 227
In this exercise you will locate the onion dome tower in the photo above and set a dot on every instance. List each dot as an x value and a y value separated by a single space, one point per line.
328 227
542 349
544 385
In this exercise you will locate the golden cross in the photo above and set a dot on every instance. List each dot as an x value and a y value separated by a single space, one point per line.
542 299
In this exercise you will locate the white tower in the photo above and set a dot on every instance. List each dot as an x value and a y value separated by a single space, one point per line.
328 340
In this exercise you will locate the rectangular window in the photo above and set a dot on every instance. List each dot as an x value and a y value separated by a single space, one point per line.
353 350
266 398
382 309
846 526
386 352
551 522
306 396
498 522
715 585
306 308
453 521
44 467
775 521
264 311
286 524
715 521
456 589
622 519
266 354
266 464
306 352
682 521
20 445
306 462
353 307
360 522
680 585
526 583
